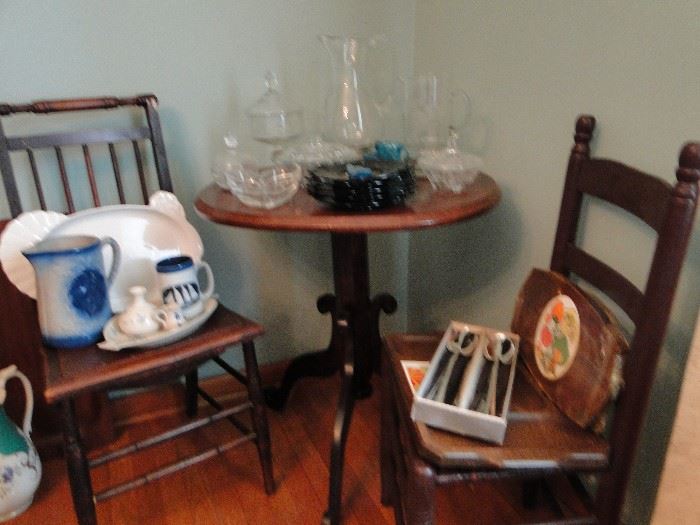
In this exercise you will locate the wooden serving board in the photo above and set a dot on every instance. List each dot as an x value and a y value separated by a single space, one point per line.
570 343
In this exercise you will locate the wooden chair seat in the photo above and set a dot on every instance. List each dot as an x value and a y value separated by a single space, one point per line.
70 373
538 435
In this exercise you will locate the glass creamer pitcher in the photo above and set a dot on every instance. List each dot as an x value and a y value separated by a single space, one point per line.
350 115
431 109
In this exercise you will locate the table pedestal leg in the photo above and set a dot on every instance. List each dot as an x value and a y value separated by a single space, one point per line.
351 279
316 364
341 426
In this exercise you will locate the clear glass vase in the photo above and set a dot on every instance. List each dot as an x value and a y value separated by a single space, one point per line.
350 115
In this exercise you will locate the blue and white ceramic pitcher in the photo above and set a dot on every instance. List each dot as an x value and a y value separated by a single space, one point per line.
72 297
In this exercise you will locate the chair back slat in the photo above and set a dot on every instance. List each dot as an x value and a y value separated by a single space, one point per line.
78 138
141 167
8 179
91 176
625 294
117 173
64 180
626 188
159 157
37 180
140 171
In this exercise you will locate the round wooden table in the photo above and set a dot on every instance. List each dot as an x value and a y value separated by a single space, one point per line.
355 342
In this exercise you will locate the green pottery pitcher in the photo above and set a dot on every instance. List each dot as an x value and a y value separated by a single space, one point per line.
20 468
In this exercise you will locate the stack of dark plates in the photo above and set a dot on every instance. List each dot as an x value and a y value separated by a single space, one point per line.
388 185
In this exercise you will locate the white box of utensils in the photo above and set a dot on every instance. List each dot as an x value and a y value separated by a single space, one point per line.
469 381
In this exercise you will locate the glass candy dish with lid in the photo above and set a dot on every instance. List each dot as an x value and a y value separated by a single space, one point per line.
449 168
272 120
272 182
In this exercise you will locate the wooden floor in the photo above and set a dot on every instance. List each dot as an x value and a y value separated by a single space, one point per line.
228 489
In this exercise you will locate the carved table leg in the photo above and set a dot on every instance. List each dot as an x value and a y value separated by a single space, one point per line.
386 303
316 364
78 468
351 280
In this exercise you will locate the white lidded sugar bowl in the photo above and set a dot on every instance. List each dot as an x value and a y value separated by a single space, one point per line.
20 467
140 317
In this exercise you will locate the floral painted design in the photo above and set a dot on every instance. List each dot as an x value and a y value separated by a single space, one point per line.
19 474
7 475
88 293
557 337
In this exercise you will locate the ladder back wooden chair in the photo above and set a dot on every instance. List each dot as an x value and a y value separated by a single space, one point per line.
543 446
41 170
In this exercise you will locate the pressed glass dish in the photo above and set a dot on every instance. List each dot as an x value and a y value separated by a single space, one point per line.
265 186
449 168
317 152
230 160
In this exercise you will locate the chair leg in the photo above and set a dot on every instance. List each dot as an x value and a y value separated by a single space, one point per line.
191 384
78 468
531 490
418 502
259 417
414 479
388 468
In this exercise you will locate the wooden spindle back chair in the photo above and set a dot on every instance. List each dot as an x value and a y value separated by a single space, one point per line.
136 136
541 443
64 376
51 186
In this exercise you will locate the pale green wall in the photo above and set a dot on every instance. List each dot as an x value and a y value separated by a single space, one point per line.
530 68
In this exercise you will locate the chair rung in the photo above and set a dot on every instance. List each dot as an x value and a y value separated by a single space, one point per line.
228 368
218 406
171 468
586 520
166 436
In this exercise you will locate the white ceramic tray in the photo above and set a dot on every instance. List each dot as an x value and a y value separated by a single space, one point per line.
145 235
116 340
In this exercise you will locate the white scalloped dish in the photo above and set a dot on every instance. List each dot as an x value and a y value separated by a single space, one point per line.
116 340
23 232
145 234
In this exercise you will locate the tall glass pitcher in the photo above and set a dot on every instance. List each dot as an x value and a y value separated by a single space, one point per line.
350 115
